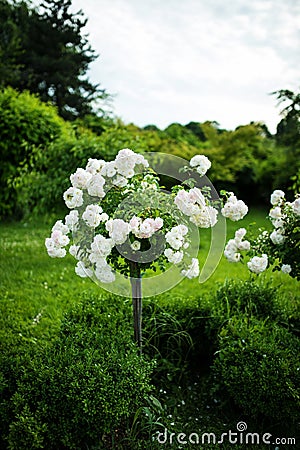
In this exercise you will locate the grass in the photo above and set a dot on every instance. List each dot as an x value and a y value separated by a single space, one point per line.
36 290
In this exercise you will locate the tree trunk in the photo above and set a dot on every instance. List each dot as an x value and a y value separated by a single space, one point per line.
136 293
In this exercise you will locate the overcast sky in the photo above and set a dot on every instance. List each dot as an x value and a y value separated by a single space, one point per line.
194 60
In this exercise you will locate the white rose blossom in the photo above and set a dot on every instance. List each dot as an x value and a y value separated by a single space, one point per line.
201 163
73 197
80 178
296 206
95 165
234 209
83 271
258 264
92 215
277 197
286 268
277 238
95 186
193 270
71 220
118 230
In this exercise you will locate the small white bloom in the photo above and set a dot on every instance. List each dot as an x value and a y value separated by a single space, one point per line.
277 196
118 230
80 178
82 271
275 213
234 209
258 264
134 224
231 251
60 239
296 206
74 250
201 163
59 226
73 197
240 234
100 247
54 250
104 217
244 245
277 238
173 257
94 165
286 268
92 215
193 270
71 219
109 170
195 196
95 186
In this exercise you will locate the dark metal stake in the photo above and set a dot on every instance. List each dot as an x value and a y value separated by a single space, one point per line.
136 293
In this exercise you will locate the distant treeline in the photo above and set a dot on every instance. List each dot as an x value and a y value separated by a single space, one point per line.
39 150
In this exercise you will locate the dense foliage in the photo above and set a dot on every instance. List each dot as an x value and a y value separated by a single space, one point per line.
43 50
39 149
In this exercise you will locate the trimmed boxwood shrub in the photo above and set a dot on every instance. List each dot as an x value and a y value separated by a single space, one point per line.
258 367
84 389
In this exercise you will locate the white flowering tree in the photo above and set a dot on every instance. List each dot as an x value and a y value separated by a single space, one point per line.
125 225
279 248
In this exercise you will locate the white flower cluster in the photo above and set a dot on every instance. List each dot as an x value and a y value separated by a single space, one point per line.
282 215
258 264
176 238
58 240
234 209
192 203
94 215
144 229
118 230
201 164
277 197
234 246
99 173
193 270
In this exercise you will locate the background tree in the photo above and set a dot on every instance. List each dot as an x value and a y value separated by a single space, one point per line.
288 129
10 44
53 55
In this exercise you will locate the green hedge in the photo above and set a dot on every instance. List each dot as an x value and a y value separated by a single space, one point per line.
258 365
84 389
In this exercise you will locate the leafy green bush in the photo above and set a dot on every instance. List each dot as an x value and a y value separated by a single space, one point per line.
41 183
84 389
25 123
239 297
258 366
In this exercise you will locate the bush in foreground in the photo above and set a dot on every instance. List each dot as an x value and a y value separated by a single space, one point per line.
85 388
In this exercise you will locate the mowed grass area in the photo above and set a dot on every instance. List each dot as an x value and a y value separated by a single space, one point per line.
33 285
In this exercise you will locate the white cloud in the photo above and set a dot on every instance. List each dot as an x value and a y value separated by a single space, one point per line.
177 61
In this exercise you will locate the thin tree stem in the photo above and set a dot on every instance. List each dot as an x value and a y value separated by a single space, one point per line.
136 293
